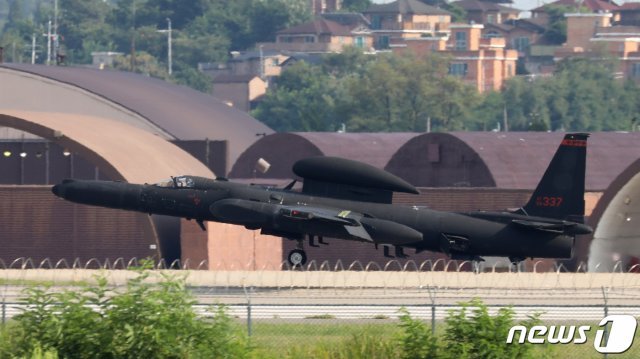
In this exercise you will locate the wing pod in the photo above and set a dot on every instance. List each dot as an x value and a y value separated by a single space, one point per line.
387 232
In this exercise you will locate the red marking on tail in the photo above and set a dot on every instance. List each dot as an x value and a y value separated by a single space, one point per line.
574 143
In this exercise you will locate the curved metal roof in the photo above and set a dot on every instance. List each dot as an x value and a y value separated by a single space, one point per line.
517 160
282 150
615 220
184 113
121 150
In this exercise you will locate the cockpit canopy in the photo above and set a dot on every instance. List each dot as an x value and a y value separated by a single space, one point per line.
177 182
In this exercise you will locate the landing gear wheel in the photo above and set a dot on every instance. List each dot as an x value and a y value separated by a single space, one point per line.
297 258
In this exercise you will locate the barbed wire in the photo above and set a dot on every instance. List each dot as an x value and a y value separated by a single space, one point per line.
438 265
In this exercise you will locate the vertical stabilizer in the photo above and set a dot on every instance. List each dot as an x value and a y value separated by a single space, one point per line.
560 193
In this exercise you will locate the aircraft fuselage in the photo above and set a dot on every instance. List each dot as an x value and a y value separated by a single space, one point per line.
462 235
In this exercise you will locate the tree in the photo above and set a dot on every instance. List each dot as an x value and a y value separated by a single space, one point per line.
356 5
82 28
16 33
556 32
301 101
458 14
377 97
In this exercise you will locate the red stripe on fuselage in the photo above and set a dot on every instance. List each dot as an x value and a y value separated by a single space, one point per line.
574 143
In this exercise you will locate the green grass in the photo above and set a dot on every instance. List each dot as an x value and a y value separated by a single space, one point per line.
41 283
315 338
282 339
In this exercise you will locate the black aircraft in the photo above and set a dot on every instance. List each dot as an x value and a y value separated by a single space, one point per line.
350 200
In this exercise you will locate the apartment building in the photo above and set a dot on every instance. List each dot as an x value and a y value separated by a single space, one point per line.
321 35
405 19
482 62
593 35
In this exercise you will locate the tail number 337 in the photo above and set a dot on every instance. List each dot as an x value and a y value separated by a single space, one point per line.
544 201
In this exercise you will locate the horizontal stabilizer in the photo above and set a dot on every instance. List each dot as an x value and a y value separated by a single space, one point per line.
540 226
564 227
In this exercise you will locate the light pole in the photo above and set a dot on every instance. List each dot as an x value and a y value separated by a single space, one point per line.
169 49
56 44
261 62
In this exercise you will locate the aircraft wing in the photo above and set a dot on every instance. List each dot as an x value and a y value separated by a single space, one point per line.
314 219
357 225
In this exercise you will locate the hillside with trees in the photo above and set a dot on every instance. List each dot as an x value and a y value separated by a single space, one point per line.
388 92
353 91
203 31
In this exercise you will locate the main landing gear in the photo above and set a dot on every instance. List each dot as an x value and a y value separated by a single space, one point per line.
298 257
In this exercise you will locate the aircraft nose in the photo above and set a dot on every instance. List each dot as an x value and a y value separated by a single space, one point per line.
59 189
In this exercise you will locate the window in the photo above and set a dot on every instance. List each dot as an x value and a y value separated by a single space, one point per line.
184 182
521 43
491 18
491 34
383 42
309 39
286 39
376 22
461 40
635 70
360 41
458 69
176 182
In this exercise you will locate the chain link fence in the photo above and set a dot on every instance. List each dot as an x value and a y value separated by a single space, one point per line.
281 310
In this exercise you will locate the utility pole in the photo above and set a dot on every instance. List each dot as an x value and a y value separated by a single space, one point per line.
55 30
33 49
261 62
169 47
48 35
133 36
169 51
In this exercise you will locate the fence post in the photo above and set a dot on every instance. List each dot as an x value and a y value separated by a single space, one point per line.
606 314
248 297
4 311
432 296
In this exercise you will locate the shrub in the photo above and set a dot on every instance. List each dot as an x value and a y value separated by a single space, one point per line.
416 340
146 320
473 333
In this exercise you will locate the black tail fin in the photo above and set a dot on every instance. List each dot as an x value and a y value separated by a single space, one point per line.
560 193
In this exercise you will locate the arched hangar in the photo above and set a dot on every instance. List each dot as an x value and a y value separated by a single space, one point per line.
175 113
461 171
142 124
125 153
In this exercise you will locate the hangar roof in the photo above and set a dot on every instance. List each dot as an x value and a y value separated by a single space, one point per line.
282 150
121 150
519 159
511 160
184 113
